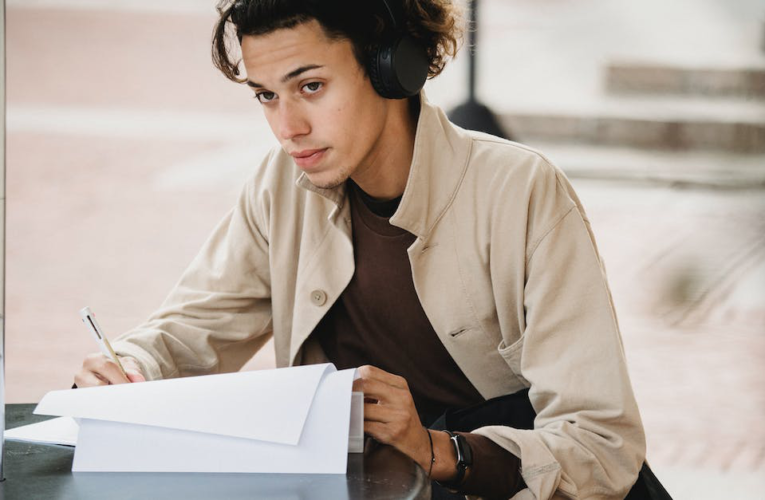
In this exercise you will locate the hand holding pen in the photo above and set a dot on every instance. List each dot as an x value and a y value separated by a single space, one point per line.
106 367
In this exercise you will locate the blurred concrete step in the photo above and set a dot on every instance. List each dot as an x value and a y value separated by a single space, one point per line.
667 78
676 168
670 123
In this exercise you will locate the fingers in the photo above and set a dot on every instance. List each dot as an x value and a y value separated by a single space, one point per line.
85 378
134 376
379 384
390 415
132 369
382 413
99 370
369 372
101 367
387 433
380 391
377 430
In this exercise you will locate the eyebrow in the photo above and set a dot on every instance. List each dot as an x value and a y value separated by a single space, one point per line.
289 76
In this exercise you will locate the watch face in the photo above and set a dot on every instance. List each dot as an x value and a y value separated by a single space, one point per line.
464 459
464 453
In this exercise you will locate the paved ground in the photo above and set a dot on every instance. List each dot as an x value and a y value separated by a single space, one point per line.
125 147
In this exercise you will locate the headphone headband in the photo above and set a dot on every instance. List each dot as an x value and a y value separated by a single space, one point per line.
394 15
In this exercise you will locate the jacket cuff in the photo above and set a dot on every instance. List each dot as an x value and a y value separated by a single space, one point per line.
148 364
541 472
495 472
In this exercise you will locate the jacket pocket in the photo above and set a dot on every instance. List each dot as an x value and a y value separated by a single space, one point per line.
512 355
460 332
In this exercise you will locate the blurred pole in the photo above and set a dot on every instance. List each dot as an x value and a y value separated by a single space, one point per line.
2 242
472 36
473 115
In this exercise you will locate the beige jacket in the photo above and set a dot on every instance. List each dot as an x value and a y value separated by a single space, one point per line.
505 266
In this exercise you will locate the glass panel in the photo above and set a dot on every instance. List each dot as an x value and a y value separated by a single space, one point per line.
2 235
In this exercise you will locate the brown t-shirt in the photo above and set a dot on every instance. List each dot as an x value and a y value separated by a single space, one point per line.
378 320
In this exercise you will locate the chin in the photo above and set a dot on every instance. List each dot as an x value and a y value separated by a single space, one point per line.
327 180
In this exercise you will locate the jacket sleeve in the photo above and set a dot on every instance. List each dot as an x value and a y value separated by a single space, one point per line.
219 313
588 440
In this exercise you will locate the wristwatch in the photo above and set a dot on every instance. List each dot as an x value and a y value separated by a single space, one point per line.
464 459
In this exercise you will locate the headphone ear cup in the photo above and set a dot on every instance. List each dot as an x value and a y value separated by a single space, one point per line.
410 66
398 69
373 70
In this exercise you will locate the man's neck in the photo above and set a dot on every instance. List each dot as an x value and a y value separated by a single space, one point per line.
386 175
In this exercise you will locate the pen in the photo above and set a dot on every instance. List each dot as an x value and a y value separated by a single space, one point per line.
90 321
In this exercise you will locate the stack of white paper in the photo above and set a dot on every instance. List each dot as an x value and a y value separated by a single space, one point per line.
60 431
291 420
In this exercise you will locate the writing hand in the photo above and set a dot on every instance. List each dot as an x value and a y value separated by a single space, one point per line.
97 370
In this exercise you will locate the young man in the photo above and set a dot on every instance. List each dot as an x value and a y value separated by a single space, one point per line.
454 266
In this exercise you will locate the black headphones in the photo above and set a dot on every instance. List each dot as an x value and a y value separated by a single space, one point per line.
398 67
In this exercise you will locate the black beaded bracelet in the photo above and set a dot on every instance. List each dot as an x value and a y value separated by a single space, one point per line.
432 453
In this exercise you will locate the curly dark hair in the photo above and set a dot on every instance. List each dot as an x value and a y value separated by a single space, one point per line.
436 24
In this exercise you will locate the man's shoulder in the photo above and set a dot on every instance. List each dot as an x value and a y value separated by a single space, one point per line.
516 179
499 160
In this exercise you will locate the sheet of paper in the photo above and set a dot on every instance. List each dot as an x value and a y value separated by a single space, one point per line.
230 404
322 448
62 430
356 431
290 420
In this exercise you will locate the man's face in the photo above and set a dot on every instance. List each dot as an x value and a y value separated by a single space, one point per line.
318 101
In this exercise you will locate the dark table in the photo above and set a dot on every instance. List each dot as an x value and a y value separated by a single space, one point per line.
45 472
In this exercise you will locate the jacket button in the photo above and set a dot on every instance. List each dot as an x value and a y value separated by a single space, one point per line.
318 297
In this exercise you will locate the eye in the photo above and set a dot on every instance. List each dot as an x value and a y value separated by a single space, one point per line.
265 97
312 87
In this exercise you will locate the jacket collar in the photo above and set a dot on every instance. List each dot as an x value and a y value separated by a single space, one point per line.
439 162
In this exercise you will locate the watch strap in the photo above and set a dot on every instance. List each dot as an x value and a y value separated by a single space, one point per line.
464 459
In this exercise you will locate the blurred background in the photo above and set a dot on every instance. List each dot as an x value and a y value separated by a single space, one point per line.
125 147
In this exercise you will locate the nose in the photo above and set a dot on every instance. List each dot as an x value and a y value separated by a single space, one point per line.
291 121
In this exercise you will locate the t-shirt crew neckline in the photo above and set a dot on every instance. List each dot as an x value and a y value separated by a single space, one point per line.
375 214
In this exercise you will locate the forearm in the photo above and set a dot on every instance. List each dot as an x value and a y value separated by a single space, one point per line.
188 346
495 472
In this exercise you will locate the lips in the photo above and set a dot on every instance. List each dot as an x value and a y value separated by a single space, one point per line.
308 157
